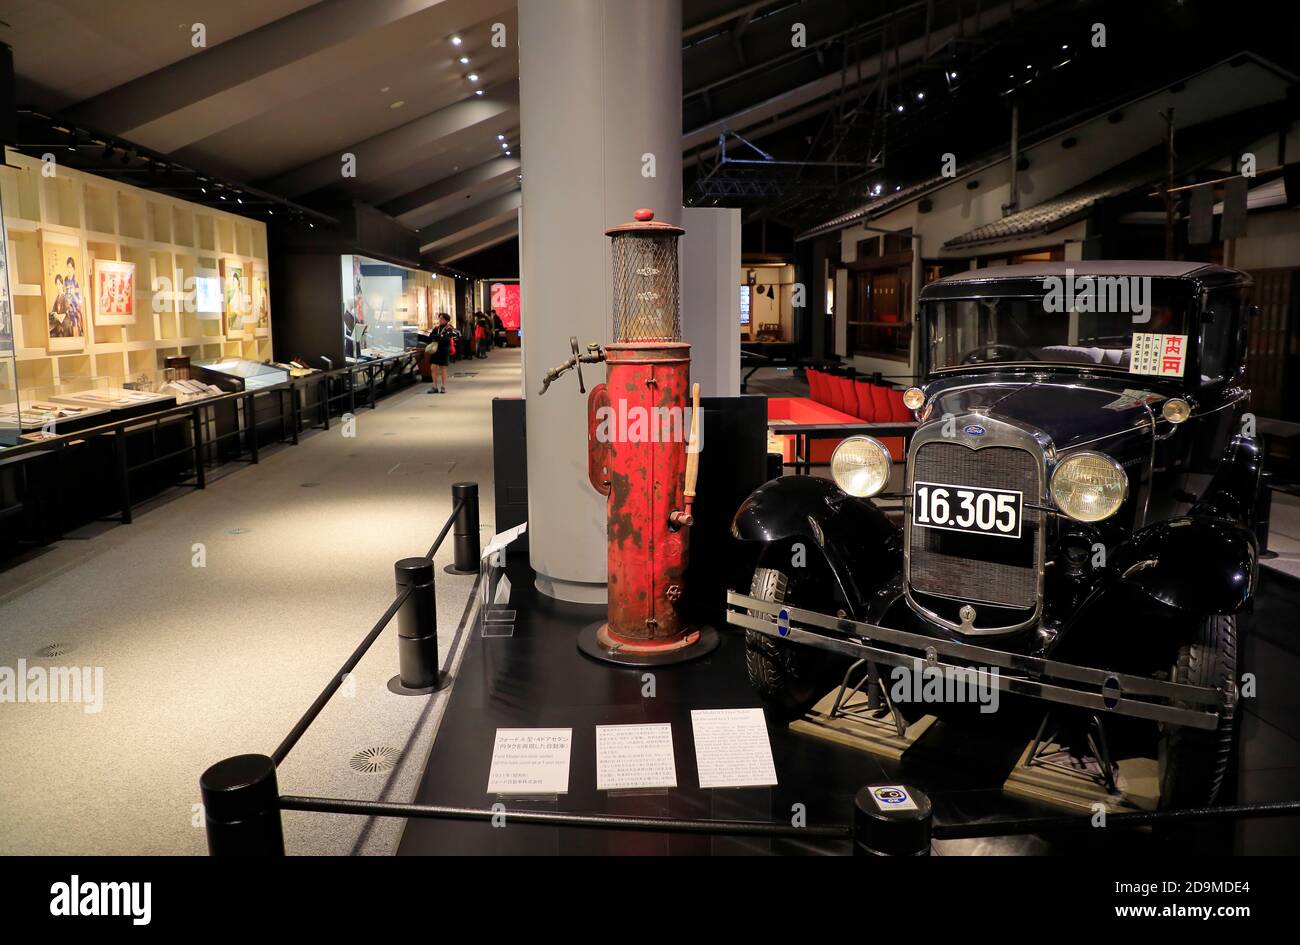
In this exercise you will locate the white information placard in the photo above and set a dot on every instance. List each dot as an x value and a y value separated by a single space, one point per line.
530 761
635 756
732 748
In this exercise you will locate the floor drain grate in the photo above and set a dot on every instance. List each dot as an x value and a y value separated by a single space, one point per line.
374 760
54 650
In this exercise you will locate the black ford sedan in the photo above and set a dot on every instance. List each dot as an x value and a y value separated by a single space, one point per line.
1080 511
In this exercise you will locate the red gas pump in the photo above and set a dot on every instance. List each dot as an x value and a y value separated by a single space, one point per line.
643 451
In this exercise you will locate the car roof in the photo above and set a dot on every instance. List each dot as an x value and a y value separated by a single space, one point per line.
1155 268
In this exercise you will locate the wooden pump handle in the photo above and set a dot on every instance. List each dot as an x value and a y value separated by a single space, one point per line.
692 445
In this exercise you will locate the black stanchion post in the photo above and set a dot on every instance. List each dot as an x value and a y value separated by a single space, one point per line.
891 820
241 807
465 538
417 631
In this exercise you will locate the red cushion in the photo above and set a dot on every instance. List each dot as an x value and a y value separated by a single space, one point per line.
866 408
842 397
880 400
814 384
900 412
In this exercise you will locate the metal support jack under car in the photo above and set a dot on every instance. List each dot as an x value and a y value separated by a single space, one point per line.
1081 506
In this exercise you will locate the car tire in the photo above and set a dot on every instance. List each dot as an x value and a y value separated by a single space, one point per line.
789 678
1194 763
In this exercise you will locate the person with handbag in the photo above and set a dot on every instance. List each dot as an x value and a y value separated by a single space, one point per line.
439 348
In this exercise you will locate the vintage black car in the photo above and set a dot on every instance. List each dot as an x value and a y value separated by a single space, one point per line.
1080 511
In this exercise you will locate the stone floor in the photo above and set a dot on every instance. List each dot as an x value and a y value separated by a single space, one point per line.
200 663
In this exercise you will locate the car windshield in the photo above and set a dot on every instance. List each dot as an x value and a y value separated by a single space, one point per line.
1141 332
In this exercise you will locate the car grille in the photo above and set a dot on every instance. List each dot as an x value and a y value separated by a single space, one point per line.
979 568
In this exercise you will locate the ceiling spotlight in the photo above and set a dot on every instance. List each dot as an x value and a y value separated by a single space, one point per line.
222 196
239 200
920 96
204 189
473 76
952 75
464 60
398 104
455 40
501 137
478 91
504 144
898 107
507 154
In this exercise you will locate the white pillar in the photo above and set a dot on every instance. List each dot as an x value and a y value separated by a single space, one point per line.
600 91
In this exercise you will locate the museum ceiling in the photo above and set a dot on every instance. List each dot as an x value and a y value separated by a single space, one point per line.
283 87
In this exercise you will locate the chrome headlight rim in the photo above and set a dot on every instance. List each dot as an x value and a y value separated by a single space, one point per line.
914 398
883 453
1092 454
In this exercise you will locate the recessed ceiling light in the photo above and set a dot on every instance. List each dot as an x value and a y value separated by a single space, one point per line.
397 104
501 137
385 88
478 91
473 76
464 60
504 144
455 40
507 154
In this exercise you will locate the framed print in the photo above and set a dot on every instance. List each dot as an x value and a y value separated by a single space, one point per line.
207 294
260 298
62 273
235 309
114 292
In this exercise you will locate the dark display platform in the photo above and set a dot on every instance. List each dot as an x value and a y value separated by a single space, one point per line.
537 678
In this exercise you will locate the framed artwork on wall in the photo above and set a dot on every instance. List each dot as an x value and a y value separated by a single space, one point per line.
62 272
114 292
260 297
207 294
235 309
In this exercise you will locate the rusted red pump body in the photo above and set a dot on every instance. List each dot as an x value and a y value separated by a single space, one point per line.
638 427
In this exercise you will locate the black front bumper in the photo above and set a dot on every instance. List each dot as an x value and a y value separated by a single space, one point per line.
1084 687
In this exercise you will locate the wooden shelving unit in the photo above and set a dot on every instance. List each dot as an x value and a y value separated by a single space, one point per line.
164 237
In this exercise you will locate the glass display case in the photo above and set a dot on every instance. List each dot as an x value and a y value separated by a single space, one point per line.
238 374
10 427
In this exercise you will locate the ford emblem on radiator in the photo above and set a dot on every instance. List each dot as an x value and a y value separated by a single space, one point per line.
973 429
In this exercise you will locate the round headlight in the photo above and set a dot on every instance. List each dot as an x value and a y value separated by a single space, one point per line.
1089 487
860 466
1176 410
914 398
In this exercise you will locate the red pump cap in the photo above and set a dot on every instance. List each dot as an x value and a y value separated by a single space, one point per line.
643 215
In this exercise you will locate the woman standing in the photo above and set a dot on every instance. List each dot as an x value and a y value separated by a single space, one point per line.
439 349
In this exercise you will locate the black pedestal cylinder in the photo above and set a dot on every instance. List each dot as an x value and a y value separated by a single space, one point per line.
891 820
464 534
241 807
417 626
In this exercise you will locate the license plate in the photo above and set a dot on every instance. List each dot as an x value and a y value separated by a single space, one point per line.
970 509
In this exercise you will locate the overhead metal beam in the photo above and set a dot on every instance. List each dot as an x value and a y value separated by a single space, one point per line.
486 216
442 198
426 137
820 94
479 242
247 75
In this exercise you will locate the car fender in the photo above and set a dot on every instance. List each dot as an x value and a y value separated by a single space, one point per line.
860 545
1195 564
1233 493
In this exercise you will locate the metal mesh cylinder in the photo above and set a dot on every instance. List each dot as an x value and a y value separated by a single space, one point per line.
646 304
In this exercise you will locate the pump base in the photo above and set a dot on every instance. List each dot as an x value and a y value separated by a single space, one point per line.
596 642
